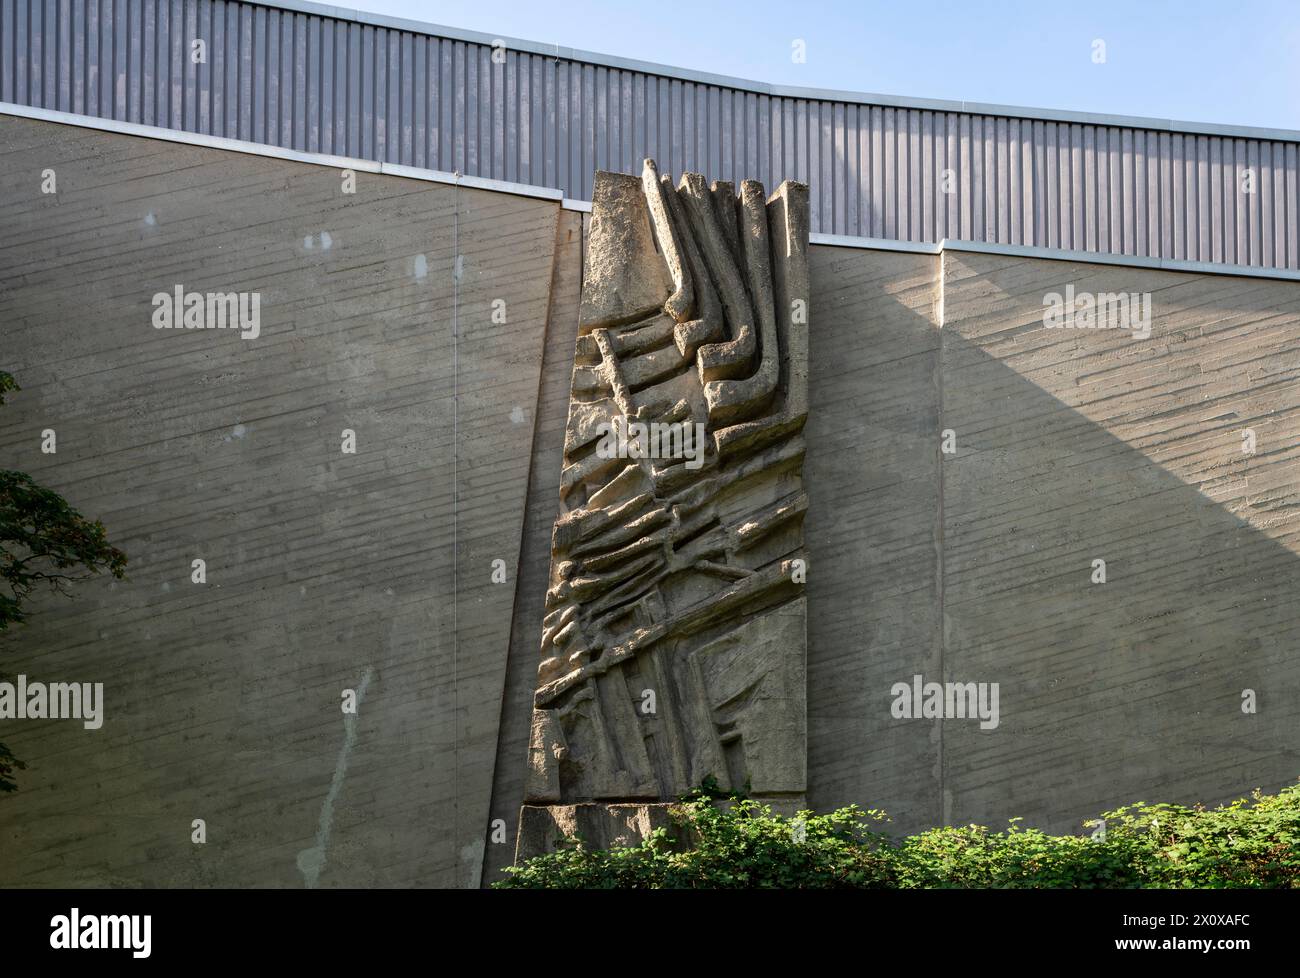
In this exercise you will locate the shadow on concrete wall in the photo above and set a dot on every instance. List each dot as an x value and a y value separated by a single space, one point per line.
1109 693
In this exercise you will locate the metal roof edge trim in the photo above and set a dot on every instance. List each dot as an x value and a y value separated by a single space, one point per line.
1053 254
278 152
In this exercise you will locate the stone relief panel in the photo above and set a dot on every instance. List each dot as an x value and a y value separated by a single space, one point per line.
673 646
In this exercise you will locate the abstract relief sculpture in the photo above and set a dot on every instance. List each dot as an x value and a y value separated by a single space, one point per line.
673 646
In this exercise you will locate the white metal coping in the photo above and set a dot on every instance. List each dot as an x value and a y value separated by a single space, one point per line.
549 193
278 152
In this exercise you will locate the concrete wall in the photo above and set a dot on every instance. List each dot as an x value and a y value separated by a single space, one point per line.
977 567
325 571
1082 445
324 568
874 484
1071 445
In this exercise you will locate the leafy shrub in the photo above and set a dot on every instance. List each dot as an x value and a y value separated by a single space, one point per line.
743 844
44 542
9 764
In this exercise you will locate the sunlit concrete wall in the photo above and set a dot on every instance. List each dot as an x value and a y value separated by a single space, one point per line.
325 571
375 571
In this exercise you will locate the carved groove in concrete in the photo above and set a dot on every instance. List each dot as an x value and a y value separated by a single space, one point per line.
674 643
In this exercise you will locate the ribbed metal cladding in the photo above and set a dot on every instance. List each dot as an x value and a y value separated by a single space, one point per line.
324 84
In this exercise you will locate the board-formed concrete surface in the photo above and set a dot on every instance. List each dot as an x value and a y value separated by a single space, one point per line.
1074 446
873 483
535 555
328 571
887 607
325 571
1069 446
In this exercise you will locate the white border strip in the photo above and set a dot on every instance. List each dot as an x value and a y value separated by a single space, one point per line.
1055 254
874 244
784 91
568 203
278 152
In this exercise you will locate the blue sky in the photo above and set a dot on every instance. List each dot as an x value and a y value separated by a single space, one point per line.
1231 61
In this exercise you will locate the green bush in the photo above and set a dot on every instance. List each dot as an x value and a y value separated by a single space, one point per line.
742 844
44 542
